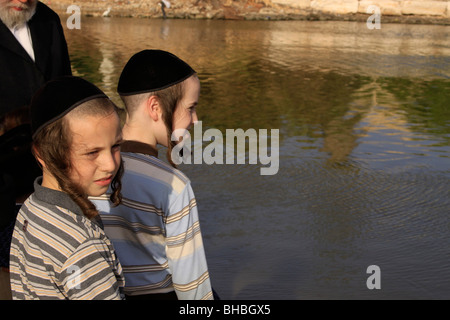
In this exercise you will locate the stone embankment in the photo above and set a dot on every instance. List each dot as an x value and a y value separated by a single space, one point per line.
414 11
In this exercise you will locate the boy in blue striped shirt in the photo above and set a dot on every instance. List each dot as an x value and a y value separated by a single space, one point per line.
156 230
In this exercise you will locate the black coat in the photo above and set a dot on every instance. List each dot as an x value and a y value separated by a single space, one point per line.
20 76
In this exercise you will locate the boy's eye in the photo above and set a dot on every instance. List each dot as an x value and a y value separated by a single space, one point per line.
92 153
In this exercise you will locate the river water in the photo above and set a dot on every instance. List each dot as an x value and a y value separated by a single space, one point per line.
364 155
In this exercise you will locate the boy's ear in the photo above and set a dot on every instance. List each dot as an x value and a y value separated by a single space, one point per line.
153 108
38 158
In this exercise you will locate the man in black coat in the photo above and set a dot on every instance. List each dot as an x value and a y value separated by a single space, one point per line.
33 50
20 76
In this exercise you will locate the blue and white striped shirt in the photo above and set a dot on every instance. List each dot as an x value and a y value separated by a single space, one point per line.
156 230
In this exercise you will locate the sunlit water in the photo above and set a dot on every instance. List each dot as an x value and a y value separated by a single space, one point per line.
364 123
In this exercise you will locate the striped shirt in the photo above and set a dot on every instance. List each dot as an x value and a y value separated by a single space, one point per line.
58 253
156 230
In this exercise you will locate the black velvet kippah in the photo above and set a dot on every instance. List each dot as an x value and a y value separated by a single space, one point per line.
152 70
58 97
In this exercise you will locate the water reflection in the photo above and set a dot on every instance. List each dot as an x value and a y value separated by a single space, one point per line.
364 149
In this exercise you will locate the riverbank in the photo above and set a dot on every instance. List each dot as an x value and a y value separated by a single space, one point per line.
392 11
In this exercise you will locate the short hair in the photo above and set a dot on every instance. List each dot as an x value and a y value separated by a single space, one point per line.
168 98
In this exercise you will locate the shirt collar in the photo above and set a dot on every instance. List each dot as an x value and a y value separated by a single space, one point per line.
60 199
55 197
138 147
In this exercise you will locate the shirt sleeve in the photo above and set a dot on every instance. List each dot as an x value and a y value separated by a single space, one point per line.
92 273
185 251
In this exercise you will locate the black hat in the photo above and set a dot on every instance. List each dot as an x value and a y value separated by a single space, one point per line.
57 97
152 70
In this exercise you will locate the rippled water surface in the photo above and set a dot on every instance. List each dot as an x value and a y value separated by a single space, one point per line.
364 123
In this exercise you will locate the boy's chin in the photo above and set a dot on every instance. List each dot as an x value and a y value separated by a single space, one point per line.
98 192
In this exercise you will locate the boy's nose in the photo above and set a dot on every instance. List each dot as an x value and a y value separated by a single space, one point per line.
109 163
194 118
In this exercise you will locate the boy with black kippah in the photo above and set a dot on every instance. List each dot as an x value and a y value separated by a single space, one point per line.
59 250
156 230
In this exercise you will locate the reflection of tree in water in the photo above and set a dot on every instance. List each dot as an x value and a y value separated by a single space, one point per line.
301 103
255 93
425 103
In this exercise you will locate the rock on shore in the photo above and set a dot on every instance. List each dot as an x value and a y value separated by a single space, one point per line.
402 11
